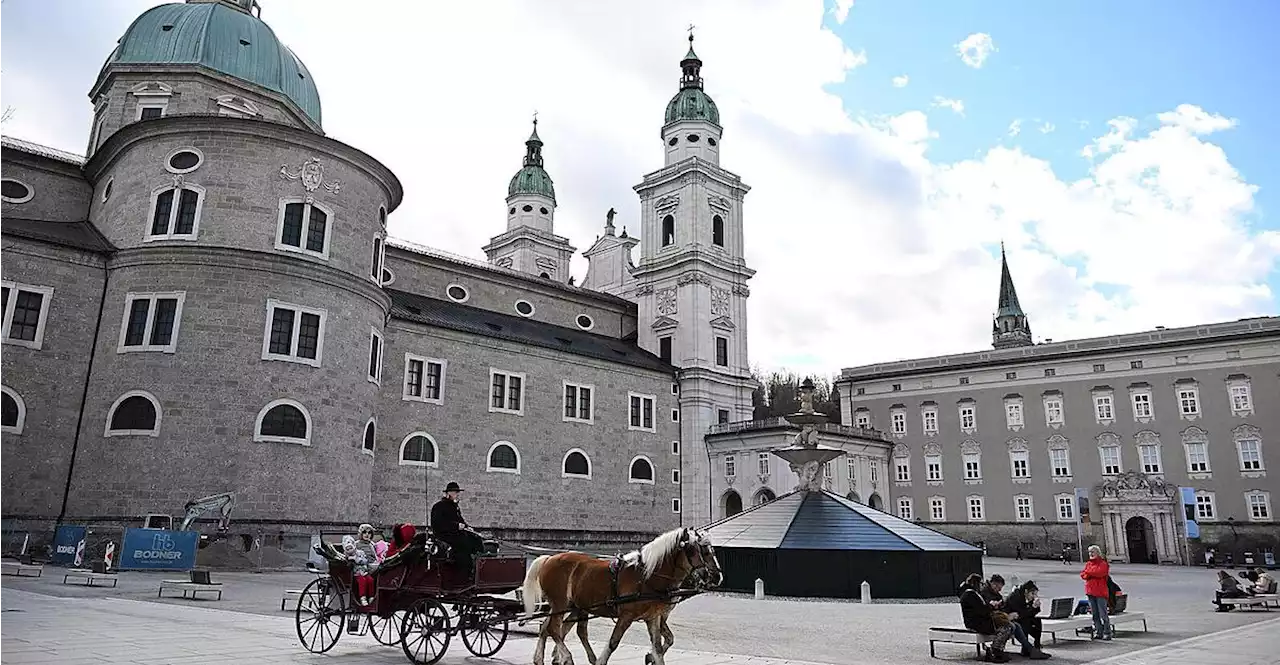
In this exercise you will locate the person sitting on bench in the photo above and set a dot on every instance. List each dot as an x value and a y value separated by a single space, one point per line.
991 592
978 617
1023 605
1264 583
448 525
1228 588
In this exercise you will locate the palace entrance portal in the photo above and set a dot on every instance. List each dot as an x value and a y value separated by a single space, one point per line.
1140 519
1140 538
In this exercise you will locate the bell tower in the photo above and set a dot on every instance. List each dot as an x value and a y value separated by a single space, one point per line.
691 280
1010 327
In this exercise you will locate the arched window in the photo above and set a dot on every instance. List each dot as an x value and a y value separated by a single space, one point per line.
853 496
875 502
175 212
576 464
765 495
135 413
283 421
370 436
717 231
641 470
14 411
668 230
503 458
419 449
732 503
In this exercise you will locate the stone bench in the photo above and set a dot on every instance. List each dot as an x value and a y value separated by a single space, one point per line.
1263 600
90 577
290 594
189 587
1085 621
957 636
19 569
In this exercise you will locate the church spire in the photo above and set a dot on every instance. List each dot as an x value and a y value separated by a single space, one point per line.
691 67
1010 327
533 146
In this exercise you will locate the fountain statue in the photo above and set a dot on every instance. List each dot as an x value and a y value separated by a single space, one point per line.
804 454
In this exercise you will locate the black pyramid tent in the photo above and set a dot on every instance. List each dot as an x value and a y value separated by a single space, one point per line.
820 544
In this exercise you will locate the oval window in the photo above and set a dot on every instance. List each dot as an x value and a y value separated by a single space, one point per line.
585 322
711 141
457 293
106 190
512 211
692 138
542 210
524 308
184 161
673 141
527 208
14 191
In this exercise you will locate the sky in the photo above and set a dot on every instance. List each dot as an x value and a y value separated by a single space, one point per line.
1124 153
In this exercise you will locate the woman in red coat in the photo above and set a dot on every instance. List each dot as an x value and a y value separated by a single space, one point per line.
1095 573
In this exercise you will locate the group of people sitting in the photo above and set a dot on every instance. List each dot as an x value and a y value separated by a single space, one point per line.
1257 581
988 612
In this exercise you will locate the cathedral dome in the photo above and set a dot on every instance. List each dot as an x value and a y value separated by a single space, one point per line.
223 36
692 104
532 178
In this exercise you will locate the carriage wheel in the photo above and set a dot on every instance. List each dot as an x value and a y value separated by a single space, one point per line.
320 615
425 632
386 630
482 631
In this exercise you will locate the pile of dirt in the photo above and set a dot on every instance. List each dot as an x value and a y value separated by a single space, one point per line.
229 554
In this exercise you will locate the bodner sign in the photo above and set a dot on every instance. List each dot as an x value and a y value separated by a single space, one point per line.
158 549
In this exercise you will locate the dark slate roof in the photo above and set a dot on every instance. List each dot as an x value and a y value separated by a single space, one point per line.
464 318
14 143
826 521
81 235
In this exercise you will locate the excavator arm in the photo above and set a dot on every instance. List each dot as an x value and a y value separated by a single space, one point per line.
222 502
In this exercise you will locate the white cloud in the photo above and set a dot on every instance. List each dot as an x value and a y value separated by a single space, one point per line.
901 81
1047 127
953 104
1196 119
975 49
1015 127
852 60
841 10
862 243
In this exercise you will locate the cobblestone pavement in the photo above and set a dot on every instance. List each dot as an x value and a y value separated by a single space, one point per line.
1252 644
842 633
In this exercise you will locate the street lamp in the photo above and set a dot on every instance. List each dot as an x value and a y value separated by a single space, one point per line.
1045 525
1231 522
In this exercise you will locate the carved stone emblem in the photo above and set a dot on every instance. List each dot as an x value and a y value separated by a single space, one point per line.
504 262
666 301
719 202
741 291
693 278
668 201
719 302
1133 485
312 175
546 263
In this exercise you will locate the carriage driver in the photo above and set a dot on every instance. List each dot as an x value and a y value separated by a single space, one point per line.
448 525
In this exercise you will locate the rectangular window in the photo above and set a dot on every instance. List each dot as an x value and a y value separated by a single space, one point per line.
675 447
675 476
1241 399
151 322
578 403
977 509
675 415
930 421
968 418
151 111
874 473
375 356
1204 506
902 469
1110 456
1066 508
379 255
722 416
896 387
1141 405
1010 376
675 506
762 464
1060 462
722 351
852 464
904 508
1250 454
423 379
1197 458
1013 414
664 349
1189 401
1053 411
972 466
1022 508
1050 372
641 412
1135 364
827 471
175 220
304 227
862 419
293 333
938 509
1100 367
964 380
1103 407
730 466
899 423
1020 463
1149 455
1259 506
861 391
506 392
933 467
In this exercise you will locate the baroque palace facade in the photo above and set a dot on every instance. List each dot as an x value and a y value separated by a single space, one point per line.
208 301
991 446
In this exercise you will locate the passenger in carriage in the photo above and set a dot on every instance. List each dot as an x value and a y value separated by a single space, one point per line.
448 525
401 536
362 567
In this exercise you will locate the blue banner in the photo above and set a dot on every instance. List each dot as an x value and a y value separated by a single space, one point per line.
1189 507
65 542
158 549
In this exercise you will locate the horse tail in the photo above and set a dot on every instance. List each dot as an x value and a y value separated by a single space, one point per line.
532 589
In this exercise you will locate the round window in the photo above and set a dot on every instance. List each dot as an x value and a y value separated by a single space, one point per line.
14 191
106 190
711 141
542 210
512 211
692 138
673 141
457 293
524 308
527 208
585 322
388 276
184 161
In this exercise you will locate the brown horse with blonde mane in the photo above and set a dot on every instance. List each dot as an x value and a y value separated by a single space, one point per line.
638 586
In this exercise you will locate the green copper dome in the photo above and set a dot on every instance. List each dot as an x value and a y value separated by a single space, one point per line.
692 104
223 36
532 178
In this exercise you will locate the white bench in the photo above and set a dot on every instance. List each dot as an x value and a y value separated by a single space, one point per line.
19 569
1083 621
189 587
290 594
957 636
1263 600
90 577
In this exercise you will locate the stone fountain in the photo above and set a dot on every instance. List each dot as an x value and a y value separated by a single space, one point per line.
804 454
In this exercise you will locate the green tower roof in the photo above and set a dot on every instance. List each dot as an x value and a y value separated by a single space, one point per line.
692 102
224 37
1008 304
532 178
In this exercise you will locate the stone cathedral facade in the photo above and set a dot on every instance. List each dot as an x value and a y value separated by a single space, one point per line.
207 300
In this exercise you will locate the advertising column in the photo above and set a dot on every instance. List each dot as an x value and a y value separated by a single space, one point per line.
1082 519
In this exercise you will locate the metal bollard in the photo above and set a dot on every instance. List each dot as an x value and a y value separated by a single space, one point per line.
866 592
759 589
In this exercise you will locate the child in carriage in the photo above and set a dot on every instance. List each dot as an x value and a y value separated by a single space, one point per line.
363 563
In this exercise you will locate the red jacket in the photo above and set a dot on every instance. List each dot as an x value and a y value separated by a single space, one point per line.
1095 577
